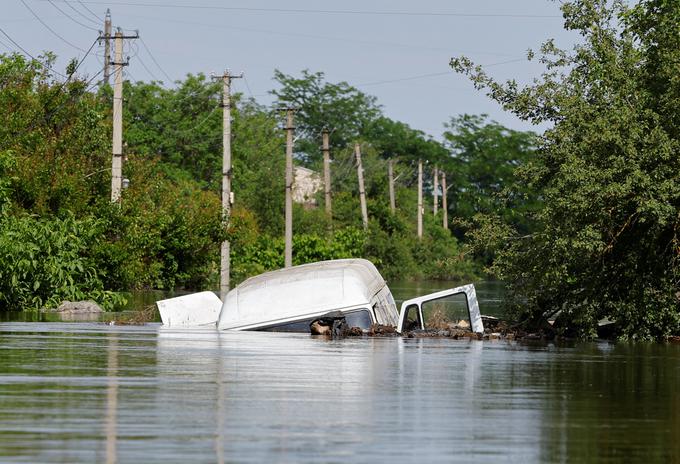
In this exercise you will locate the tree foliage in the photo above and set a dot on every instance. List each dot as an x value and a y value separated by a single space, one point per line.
606 243
55 158
46 261
483 167
340 108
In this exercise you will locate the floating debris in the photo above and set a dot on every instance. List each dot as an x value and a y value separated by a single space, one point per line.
140 317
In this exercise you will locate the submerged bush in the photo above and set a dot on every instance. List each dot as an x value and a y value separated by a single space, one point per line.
46 261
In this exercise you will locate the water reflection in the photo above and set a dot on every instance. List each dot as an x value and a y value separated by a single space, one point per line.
110 429
95 393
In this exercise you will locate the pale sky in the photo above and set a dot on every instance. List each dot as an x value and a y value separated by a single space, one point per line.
397 50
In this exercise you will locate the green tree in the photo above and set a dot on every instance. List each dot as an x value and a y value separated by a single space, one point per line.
182 125
340 108
481 170
607 240
395 139
56 136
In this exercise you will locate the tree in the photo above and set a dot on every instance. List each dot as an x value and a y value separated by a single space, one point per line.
607 242
395 139
55 134
482 169
182 125
340 108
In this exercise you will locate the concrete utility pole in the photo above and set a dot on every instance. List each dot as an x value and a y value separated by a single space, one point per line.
107 45
326 171
420 199
435 187
117 159
288 254
225 251
445 209
362 191
390 176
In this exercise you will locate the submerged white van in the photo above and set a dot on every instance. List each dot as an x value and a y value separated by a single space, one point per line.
288 300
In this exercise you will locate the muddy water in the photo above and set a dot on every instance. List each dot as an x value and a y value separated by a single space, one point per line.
89 392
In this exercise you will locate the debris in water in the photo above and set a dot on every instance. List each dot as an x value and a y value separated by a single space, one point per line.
379 330
334 325
145 315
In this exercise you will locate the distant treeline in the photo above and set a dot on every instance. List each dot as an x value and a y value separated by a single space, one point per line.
61 238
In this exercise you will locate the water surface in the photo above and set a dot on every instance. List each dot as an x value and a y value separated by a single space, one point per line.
90 392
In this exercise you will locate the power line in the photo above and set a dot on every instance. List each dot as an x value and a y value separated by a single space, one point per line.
84 56
91 12
50 113
31 56
49 28
75 98
87 18
154 59
325 11
153 76
130 76
198 125
5 45
423 76
411 78
72 73
71 17
17 45
316 36
250 92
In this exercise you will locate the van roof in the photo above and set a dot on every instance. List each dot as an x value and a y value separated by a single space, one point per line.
307 289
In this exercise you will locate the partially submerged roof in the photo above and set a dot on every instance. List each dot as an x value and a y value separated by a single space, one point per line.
307 289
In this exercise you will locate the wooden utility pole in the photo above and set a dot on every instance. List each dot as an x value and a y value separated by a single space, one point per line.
390 176
420 199
117 158
288 253
362 191
326 171
445 209
435 187
225 249
107 46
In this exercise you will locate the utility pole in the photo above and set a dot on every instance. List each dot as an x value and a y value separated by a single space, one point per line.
326 171
435 187
288 253
420 199
362 191
390 176
117 159
225 249
445 209
107 45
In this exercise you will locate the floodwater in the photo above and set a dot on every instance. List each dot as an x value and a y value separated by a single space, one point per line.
91 392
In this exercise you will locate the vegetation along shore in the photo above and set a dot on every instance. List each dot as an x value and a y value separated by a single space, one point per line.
581 221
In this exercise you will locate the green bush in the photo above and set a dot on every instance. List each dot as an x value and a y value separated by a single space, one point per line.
46 261
165 234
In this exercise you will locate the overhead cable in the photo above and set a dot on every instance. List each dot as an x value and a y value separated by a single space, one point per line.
423 76
323 11
80 13
29 55
49 28
91 12
154 59
72 18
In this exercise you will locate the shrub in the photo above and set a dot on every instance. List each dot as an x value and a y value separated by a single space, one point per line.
46 261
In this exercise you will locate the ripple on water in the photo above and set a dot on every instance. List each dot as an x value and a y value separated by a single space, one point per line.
96 393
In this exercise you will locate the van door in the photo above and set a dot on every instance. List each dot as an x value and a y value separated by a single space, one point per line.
441 307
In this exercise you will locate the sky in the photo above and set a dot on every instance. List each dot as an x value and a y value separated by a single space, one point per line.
397 50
